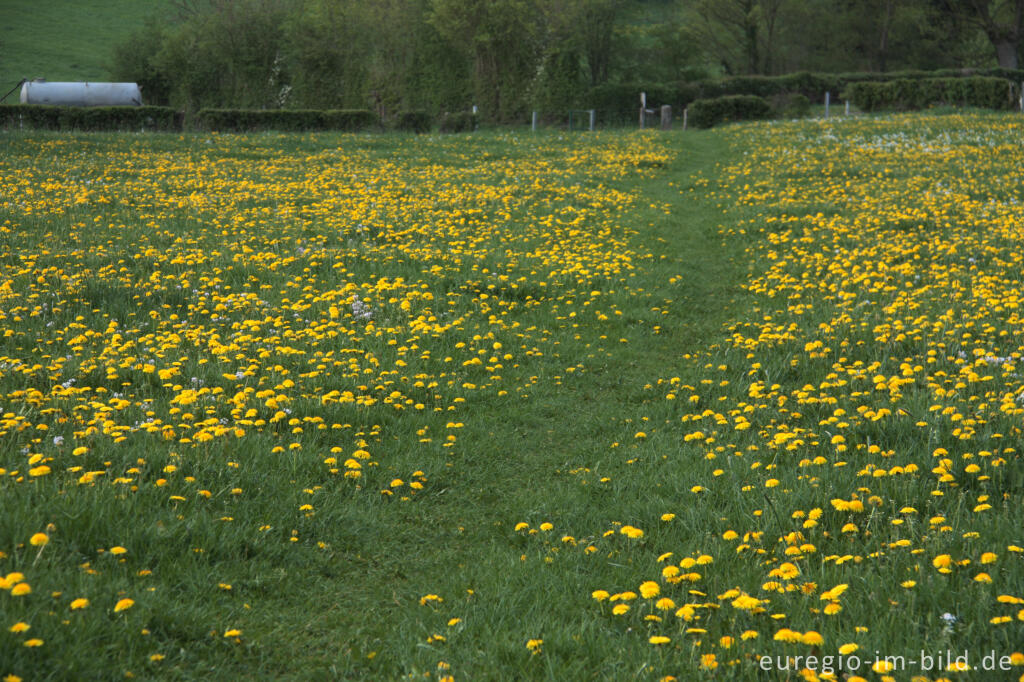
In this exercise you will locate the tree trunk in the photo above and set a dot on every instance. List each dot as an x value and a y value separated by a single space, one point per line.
1006 53
883 43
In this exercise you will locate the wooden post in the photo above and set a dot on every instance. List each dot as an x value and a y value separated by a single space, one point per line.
666 117
686 113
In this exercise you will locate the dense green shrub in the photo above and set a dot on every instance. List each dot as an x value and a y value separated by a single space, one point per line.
907 94
351 120
620 102
89 118
244 120
706 113
459 122
790 106
414 121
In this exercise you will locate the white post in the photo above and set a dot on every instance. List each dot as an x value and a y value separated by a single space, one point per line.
685 112
1022 97
593 115
643 108
828 97
533 123
847 107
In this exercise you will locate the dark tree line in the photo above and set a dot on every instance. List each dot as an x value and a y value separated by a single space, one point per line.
508 56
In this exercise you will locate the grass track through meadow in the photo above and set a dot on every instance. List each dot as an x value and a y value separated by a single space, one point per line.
516 464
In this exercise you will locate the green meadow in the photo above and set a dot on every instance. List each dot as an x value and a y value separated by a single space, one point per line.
739 404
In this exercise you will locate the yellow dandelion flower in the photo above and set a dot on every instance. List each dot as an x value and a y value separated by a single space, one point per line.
813 638
124 605
649 589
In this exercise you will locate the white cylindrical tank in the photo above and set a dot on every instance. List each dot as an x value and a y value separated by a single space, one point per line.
81 94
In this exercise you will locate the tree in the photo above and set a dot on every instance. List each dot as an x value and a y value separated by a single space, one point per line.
741 33
1002 22
501 37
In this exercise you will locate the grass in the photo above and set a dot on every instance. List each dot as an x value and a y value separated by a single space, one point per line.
598 365
65 40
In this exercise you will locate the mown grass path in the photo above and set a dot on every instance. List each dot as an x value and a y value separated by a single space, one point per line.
538 459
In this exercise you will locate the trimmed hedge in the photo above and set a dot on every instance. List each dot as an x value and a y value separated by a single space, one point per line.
707 113
414 121
905 95
790 106
620 102
45 117
460 122
246 120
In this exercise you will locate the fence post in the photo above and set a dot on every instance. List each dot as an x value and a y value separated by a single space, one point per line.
828 97
847 107
1022 97
593 115
643 108
686 112
666 117
533 122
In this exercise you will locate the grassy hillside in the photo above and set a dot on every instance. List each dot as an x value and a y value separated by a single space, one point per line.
65 39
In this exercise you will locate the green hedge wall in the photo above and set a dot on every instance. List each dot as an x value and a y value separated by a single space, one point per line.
44 117
620 102
904 95
706 113
245 120
414 121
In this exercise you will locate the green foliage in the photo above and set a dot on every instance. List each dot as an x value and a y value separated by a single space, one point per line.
43 117
459 122
707 113
907 94
243 120
790 106
503 39
414 121
136 60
